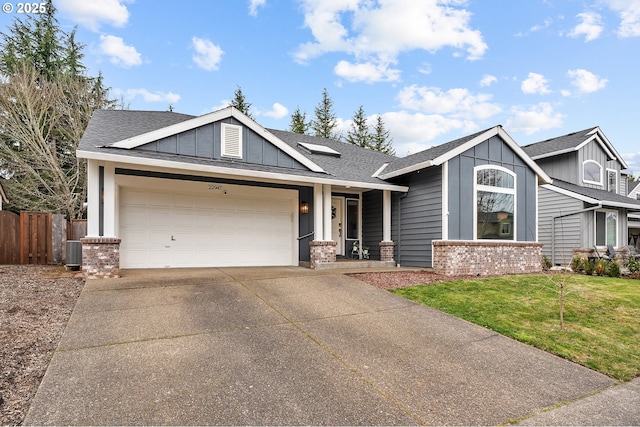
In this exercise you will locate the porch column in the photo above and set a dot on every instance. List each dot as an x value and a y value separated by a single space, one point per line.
326 212
387 245
109 216
93 199
317 212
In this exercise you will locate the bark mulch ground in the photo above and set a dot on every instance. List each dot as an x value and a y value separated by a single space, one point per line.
35 305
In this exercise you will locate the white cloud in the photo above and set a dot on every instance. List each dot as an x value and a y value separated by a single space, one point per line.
208 55
457 102
119 53
378 32
535 84
368 72
254 5
148 96
277 111
91 14
585 81
590 27
413 132
488 80
536 118
629 11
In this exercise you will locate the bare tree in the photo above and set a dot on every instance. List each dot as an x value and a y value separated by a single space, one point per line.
41 123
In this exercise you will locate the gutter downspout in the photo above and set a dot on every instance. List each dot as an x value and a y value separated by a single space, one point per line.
553 228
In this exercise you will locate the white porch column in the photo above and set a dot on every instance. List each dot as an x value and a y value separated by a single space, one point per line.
317 212
386 216
93 199
326 212
109 213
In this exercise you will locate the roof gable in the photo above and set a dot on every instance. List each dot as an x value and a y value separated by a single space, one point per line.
594 196
573 142
163 133
441 153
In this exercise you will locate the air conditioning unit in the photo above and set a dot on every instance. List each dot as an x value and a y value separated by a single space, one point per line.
74 254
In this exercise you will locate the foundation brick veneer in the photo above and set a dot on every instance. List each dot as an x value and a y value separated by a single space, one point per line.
100 257
322 252
386 250
453 258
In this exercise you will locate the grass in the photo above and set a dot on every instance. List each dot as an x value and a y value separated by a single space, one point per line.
601 315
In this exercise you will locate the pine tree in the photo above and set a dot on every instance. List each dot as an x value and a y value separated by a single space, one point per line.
325 122
359 134
240 103
380 139
299 122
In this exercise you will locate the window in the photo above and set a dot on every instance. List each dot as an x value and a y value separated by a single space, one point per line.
638 196
352 219
231 145
592 172
606 228
495 203
612 180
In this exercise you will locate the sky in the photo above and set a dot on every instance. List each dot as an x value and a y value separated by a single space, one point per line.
435 70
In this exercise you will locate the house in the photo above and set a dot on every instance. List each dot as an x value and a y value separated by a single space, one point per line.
3 196
173 190
586 205
633 219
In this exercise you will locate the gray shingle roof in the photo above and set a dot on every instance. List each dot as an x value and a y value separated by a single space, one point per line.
606 197
633 185
429 154
557 144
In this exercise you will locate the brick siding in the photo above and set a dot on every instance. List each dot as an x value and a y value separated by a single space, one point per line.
322 252
100 257
386 251
485 258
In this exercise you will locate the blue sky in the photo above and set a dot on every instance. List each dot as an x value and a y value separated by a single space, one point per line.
434 70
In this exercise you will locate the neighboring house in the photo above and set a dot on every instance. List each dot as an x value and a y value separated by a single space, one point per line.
173 190
586 205
634 218
3 197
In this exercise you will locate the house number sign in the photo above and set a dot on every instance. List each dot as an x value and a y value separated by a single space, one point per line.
215 187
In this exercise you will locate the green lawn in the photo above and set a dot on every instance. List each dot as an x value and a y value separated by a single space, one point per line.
601 315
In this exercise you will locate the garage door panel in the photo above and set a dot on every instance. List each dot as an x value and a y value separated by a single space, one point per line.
243 229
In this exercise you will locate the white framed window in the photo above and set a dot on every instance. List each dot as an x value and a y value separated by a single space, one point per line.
231 145
612 180
591 172
606 228
495 203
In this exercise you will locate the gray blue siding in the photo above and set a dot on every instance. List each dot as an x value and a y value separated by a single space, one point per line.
204 142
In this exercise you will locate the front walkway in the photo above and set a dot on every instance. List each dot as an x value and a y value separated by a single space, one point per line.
286 346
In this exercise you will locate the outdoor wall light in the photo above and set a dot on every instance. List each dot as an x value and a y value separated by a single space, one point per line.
304 208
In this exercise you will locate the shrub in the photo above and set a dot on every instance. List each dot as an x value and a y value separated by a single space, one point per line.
589 267
601 267
613 269
633 265
578 264
546 263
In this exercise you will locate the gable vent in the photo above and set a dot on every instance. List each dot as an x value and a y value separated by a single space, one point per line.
231 141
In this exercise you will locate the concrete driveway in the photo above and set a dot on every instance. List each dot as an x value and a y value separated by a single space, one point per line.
286 346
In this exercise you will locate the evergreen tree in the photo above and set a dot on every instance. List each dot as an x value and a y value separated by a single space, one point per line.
359 134
299 122
240 103
380 138
325 122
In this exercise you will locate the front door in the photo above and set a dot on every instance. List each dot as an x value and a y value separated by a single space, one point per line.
337 223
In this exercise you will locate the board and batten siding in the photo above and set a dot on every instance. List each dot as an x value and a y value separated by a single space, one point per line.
372 222
205 142
417 217
461 180
568 232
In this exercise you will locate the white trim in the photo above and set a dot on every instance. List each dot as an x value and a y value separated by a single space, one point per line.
243 173
445 201
379 171
206 119
591 200
587 181
493 189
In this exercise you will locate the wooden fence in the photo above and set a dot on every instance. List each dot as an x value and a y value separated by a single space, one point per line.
36 237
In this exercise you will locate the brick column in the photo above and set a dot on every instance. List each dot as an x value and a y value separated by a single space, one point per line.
386 250
100 257
322 252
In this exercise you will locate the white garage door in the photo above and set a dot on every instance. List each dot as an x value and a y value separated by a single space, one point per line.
221 226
